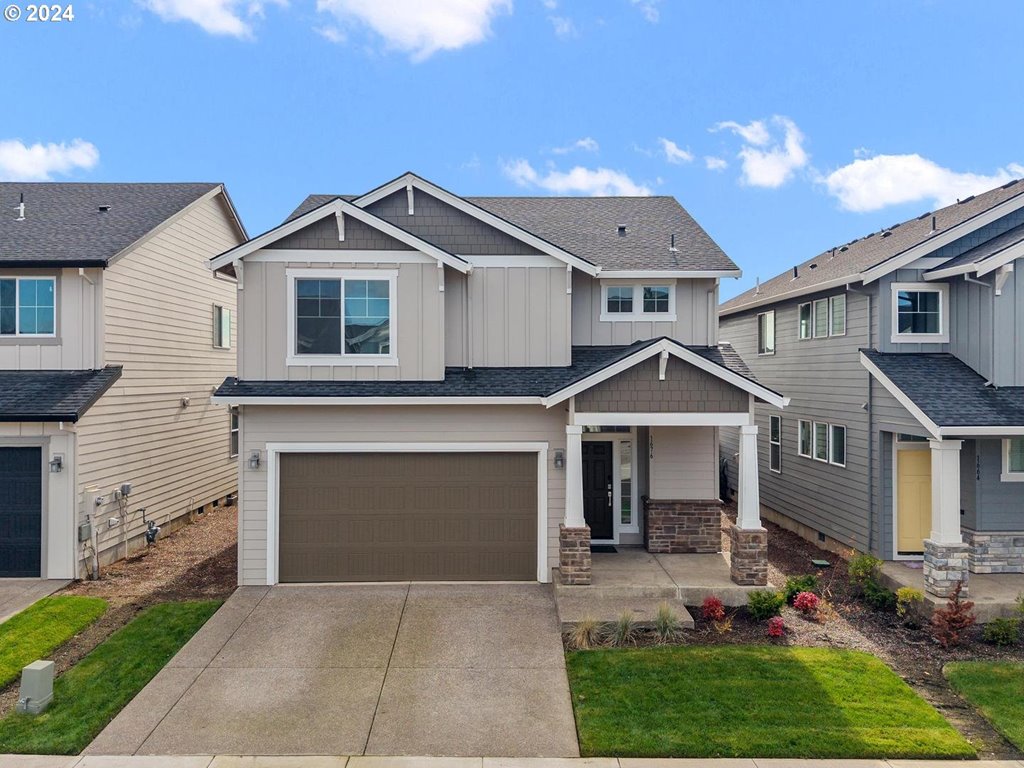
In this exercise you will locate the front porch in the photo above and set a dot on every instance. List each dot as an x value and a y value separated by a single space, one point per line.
994 594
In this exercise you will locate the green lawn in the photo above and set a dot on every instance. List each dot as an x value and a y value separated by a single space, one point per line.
39 629
751 701
88 695
996 689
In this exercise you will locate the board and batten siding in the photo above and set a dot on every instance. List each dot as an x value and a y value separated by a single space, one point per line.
418 314
683 465
1008 338
696 314
386 424
78 343
825 382
158 315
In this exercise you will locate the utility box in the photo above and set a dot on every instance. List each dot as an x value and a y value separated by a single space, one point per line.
36 688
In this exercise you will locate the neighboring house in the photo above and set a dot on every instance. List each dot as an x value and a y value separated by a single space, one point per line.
113 336
438 387
903 353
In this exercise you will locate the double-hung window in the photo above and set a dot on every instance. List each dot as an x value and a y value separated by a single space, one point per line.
822 442
233 430
837 445
766 333
775 443
342 315
804 440
1013 460
638 301
919 312
28 306
822 318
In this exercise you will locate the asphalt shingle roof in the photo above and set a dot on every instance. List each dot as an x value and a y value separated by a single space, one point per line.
849 260
64 225
949 392
479 382
588 227
52 395
986 249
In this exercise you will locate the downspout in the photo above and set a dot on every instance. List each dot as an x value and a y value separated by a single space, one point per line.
871 426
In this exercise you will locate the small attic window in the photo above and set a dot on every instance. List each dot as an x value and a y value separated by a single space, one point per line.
621 229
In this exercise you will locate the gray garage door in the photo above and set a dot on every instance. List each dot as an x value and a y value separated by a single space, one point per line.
408 516
21 511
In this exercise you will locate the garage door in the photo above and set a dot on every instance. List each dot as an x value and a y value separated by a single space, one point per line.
21 515
407 516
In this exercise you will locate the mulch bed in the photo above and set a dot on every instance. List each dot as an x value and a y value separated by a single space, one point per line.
196 562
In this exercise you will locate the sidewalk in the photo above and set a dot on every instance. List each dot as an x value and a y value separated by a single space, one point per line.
235 761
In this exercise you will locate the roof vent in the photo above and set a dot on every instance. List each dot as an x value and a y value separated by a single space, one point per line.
833 253
1009 184
20 208
104 208
924 215
672 243
814 266
933 224
965 200
757 286
886 233
844 248
796 272
867 236
622 230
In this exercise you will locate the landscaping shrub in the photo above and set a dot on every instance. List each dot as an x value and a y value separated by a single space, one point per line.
763 604
807 603
724 626
586 634
863 569
712 609
949 623
667 625
776 627
909 602
1002 632
797 584
624 631
878 597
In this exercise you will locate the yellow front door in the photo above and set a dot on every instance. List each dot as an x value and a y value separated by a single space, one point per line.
913 500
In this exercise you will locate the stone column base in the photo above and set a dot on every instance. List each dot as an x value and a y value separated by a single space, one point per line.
995 552
944 566
574 555
677 527
748 558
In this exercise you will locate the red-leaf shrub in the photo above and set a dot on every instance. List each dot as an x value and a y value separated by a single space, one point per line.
949 623
776 627
712 609
807 603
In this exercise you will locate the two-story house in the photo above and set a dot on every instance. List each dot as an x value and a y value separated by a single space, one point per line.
436 387
113 336
903 352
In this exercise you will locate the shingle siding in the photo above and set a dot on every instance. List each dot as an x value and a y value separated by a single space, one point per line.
323 235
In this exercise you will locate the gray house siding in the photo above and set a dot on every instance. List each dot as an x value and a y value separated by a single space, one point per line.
1008 368
885 320
1000 505
971 337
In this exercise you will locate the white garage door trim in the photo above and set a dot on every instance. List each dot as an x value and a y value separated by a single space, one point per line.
273 479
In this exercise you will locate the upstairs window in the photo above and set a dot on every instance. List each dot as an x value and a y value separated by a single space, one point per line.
28 306
766 333
351 315
640 301
656 299
221 327
620 300
822 318
918 312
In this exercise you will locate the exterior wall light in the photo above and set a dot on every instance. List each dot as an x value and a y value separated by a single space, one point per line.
254 460
57 463
559 458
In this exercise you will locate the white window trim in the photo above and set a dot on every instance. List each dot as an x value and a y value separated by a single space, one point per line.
814 440
770 352
799 442
810 323
17 308
234 429
390 275
638 298
1007 476
216 326
831 301
814 318
773 418
616 439
942 337
831 444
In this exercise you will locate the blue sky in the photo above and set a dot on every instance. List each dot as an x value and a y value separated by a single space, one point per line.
784 127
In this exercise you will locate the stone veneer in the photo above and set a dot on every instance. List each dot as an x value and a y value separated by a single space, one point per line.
574 560
748 557
995 552
944 566
677 527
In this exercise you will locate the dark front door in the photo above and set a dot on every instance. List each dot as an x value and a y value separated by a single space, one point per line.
597 489
21 511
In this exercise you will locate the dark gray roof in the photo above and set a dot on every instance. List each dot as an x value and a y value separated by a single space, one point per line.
64 225
949 392
479 382
988 248
52 395
588 227
850 259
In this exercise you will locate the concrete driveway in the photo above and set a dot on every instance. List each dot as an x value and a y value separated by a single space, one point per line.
418 669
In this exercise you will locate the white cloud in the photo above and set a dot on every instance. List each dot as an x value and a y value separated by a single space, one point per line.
420 28
767 160
649 9
217 17
564 27
674 153
331 34
39 162
872 183
713 163
586 144
596 182
550 4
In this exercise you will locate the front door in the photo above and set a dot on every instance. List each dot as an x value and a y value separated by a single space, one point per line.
913 500
21 515
597 489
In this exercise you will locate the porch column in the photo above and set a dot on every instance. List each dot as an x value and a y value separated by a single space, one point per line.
574 558
945 553
748 556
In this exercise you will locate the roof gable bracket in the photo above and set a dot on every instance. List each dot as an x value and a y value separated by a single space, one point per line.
662 365
1002 274
340 216
412 201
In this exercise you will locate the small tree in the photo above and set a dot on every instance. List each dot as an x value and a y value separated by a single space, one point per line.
949 623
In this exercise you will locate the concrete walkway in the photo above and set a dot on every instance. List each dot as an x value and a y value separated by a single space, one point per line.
235 761
18 594
361 669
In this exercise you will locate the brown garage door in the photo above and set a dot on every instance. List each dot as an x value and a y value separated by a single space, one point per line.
408 516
